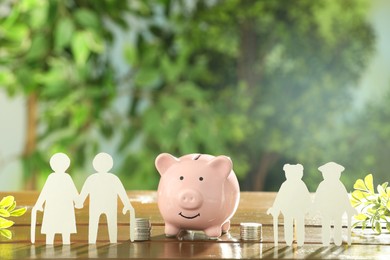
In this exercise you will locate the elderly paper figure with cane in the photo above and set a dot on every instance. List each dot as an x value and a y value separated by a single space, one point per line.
103 189
56 200
293 201
329 191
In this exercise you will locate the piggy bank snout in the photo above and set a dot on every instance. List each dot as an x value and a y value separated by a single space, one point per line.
190 199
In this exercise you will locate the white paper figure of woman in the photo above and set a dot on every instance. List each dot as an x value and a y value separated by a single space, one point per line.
331 200
58 195
293 201
103 189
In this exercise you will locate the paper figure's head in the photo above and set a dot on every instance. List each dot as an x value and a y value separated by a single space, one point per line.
102 162
293 171
59 162
331 170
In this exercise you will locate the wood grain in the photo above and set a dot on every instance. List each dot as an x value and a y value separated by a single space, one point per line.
252 208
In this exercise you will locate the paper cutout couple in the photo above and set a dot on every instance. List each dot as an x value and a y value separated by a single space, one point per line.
60 196
294 202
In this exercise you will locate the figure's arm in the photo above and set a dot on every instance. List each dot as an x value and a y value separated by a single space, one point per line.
42 196
306 198
123 197
127 206
83 195
74 192
351 211
318 197
309 203
276 207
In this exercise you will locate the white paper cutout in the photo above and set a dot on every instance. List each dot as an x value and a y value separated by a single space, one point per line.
103 189
332 201
58 194
293 201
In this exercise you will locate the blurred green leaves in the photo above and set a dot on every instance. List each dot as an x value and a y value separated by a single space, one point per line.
260 81
53 50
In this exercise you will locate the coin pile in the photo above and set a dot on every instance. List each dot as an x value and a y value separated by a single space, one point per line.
142 229
251 231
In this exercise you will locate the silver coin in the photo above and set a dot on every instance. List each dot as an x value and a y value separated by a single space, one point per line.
251 231
142 229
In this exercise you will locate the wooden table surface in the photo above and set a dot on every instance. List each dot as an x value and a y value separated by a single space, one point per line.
252 208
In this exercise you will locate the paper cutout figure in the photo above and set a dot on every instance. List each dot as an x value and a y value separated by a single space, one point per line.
331 200
103 189
293 201
58 194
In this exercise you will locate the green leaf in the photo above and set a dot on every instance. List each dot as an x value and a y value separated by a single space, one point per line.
5 223
189 91
18 33
80 47
378 228
364 224
80 116
361 216
6 233
388 226
7 201
358 194
372 210
131 54
4 213
388 205
38 49
63 32
38 15
369 182
11 208
359 185
355 202
147 78
87 18
18 212
381 191
356 224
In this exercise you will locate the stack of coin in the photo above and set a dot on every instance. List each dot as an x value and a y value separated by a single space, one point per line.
251 231
142 229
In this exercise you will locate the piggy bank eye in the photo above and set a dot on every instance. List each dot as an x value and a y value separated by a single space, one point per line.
181 178
201 178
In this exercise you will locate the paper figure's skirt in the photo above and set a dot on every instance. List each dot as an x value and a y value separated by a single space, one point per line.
59 221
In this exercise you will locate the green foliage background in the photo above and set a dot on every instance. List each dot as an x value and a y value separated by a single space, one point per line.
265 82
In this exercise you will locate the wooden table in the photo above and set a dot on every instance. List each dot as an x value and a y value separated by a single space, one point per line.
252 208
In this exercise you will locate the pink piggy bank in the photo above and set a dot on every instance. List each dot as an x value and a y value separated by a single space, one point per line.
197 192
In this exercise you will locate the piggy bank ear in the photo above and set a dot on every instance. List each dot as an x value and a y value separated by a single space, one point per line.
221 164
164 161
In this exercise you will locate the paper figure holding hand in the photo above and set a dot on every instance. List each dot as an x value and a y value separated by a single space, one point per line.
293 201
103 189
58 195
332 201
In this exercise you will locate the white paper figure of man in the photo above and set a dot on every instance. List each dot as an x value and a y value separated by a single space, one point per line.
58 194
103 189
331 200
293 201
